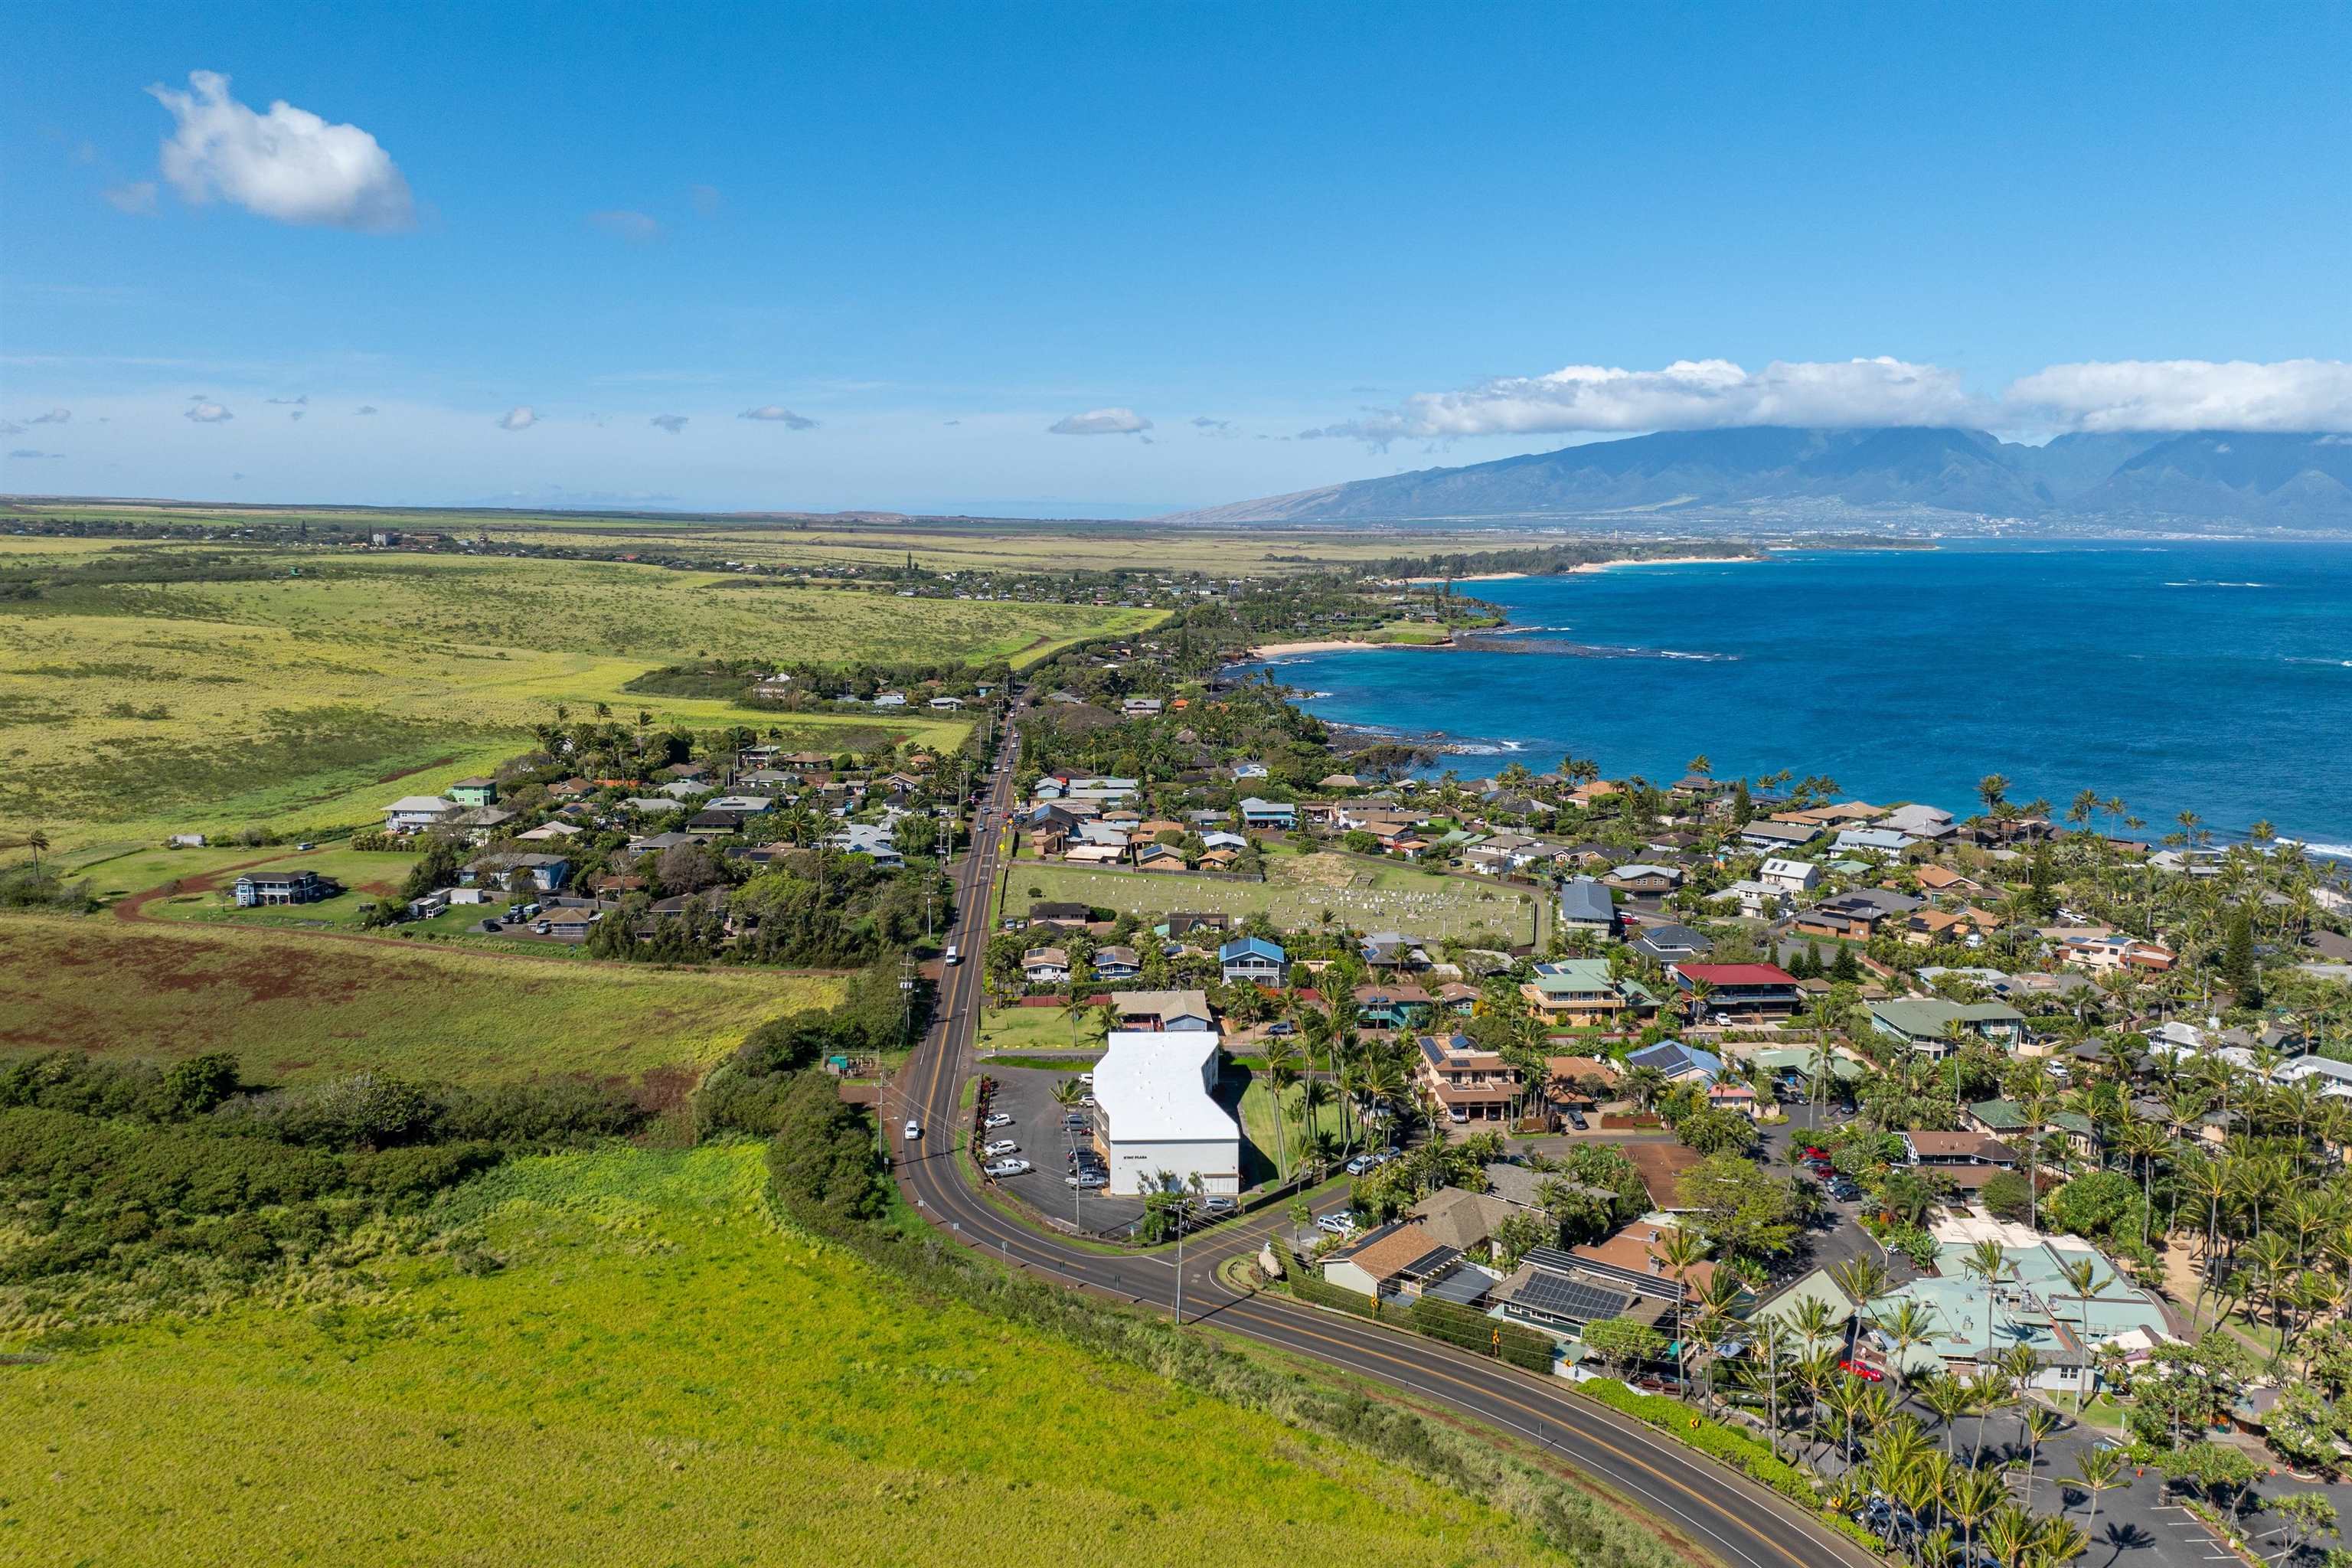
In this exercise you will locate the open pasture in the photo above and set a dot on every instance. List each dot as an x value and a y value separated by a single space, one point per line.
1356 892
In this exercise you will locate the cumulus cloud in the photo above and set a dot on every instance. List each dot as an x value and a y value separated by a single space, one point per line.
287 164
1688 394
705 199
137 198
364 408
521 416
673 423
633 226
774 414
295 401
1101 422
2189 394
1220 427
54 417
204 413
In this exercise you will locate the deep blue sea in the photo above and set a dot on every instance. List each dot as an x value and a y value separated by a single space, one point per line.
2208 676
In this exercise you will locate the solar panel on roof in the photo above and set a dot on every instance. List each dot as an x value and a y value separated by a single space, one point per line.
1569 1298
1550 1257
1465 1286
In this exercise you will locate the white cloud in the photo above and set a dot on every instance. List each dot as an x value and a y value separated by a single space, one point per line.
775 415
204 413
1101 422
54 417
2189 394
1688 394
521 416
137 198
287 164
290 402
673 423
364 408
634 227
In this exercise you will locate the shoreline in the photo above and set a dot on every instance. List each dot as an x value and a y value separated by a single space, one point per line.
1328 645
1584 567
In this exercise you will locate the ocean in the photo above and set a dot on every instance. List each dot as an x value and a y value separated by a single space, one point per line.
2207 676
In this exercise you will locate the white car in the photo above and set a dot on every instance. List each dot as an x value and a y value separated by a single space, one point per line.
1338 1224
1007 1167
999 1147
1089 1180
997 1119
914 1131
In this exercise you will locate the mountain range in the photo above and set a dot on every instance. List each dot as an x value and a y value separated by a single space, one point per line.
2151 480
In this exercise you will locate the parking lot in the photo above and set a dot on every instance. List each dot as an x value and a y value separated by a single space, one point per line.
1027 1094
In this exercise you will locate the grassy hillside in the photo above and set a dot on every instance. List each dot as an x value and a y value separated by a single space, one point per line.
130 711
296 1007
658 1374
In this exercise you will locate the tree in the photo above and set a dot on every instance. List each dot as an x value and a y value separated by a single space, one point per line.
1623 1343
2097 1470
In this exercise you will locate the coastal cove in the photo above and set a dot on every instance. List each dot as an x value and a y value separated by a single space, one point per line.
2215 676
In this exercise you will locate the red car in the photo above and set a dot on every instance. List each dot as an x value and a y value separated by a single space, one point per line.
1867 1374
1813 1153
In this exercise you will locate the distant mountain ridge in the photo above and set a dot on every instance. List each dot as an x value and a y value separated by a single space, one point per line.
2292 481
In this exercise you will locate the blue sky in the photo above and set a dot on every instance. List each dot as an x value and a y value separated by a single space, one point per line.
932 233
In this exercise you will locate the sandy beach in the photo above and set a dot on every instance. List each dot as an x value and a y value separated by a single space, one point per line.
1663 561
1330 645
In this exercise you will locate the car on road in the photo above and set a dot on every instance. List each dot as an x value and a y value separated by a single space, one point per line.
952 958
997 1146
1007 1167
914 1129
1862 1370
1844 1191
1086 1180
1814 1151
1338 1222
997 1119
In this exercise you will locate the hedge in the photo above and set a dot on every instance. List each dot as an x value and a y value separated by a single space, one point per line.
1446 1321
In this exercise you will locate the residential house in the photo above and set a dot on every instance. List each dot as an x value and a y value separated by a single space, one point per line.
1742 993
1669 943
482 824
1585 905
416 813
1045 966
1549 1291
1918 821
2115 950
1773 837
1181 1012
1757 900
716 822
1467 1082
1581 994
1394 949
1872 841
261 888
871 839
1855 916
1643 879
1116 963
1393 1260
1393 1005
1268 814
1965 1159
1159 857
1631 1258
473 792
1677 1062
1921 1023
1783 875
1254 960
1935 878
1465 1221
548 833
546 872
2005 1120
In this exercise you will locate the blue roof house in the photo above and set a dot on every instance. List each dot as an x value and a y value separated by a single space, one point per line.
1252 959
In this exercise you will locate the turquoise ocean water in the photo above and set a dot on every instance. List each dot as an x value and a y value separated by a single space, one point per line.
2213 676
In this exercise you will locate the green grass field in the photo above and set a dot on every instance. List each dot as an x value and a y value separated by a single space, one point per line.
298 1005
1038 1029
1360 892
129 712
659 1374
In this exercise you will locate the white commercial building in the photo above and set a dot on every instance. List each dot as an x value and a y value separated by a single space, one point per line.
1157 1116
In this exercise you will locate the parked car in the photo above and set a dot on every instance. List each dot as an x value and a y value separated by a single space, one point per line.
1338 1224
1218 1206
1359 1164
1862 1370
997 1119
1000 1146
1454 1113
1576 1119
1007 1167
1086 1180
1814 1151
1385 1155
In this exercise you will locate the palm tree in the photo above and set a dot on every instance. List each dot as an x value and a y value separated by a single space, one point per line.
1069 1092
2083 1274
37 841
2012 1534
1677 1250
1715 1305
2040 1422
1970 1495
1987 1262
1992 789
1281 1073
2059 1541
2097 1470
1950 1400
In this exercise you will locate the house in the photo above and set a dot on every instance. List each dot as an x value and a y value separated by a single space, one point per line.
546 872
1183 923
1943 1150
945 704
2005 1120
873 840
1935 878
890 699
1783 875
714 822
1757 900
1852 917
684 789
1116 963
1927 928
1395 1259
2115 951
1585 905
1394 949
1393 1005
1142 707
1669 943
482 824
1773 837
1640 877
741 805
1743 993
1676 1062
547 833
1155 1114
260 889
1468 1083
1731 1094
1262 813
1249 770
1183 1011
1465 1221
475 791
1581 994
1045 966
416 813
1630 1260
1922 1022
1549 1291
1252 959
1046 910
1918 821
1159 857
1872 841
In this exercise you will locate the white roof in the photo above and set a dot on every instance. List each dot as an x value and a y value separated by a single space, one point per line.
1152 1087
1779 866
421 802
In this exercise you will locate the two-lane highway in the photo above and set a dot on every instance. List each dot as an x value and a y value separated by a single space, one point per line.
1725 1514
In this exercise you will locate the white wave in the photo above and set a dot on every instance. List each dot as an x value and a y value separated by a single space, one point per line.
2207 583
2332 851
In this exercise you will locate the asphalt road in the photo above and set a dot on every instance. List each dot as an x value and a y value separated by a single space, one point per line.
1737 1521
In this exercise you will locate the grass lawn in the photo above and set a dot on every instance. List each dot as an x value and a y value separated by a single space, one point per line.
129 712
1038 1029
1358 891
659 1374
1259 1112
300 1006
